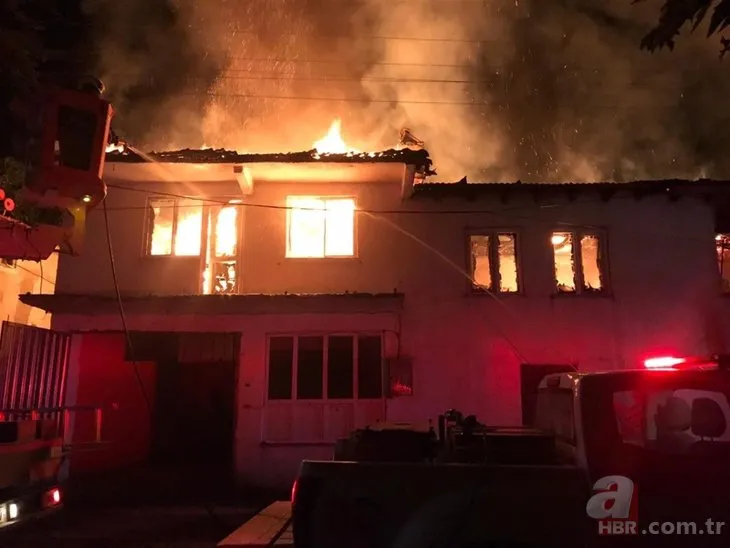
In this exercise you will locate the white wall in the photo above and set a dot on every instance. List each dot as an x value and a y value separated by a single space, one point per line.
466 348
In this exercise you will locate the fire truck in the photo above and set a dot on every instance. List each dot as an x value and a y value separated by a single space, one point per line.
62 164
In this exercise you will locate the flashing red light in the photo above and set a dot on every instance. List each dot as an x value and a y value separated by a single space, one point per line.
52 498
665 362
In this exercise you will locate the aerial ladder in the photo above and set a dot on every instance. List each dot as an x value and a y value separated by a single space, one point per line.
68 135
59 178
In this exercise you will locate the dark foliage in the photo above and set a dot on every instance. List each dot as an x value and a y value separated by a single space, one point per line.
676 13
41 41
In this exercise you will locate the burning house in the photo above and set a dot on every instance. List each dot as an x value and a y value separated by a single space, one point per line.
276 302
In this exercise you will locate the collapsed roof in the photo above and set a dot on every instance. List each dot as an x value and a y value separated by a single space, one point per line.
418 158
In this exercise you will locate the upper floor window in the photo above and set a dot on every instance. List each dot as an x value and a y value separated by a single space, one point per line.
494 262
722 245
332 367
578 259
320 227
175 227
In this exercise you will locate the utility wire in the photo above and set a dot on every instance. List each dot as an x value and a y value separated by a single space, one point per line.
130 346
123 316
228 203
29 271
347 79
346 62
394 101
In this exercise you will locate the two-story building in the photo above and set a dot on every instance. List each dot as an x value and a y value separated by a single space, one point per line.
275 302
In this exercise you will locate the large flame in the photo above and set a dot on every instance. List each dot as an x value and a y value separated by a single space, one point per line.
333 143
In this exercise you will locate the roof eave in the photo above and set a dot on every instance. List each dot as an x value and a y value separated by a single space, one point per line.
93 305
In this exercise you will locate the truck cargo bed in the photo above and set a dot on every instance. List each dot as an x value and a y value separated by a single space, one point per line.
399 505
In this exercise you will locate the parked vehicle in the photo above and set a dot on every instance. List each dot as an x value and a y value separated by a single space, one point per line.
664 427
32 453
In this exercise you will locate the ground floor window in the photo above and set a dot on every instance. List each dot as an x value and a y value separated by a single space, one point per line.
325 367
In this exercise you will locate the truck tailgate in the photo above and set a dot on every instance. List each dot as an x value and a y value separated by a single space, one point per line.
374 505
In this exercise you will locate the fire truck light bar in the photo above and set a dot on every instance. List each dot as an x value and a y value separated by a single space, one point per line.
672 362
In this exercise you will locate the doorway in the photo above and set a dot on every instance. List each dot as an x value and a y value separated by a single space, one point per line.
530 377
195 414
195 395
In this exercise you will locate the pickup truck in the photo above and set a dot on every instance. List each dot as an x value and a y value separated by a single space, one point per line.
662 429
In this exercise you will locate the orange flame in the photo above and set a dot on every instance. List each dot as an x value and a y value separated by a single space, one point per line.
332 142
114 148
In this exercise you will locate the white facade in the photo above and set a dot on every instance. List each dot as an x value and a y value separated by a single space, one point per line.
660 273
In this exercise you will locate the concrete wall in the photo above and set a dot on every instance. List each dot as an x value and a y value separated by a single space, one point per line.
26 277
466 349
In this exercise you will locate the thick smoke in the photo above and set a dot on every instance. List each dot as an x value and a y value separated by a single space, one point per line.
498 89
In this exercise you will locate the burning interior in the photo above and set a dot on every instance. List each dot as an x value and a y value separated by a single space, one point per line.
316 226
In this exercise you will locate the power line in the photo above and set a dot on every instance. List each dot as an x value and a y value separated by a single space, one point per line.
284 78
374 37
374 212
333 99
29 271
349 63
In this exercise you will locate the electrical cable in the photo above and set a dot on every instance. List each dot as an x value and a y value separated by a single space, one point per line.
330 79
130 346
336 99
29 271
495 212
123 316
493 325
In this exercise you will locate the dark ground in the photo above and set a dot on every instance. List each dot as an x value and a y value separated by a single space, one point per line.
175 508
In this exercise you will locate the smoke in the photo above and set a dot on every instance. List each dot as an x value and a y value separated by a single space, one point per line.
497 89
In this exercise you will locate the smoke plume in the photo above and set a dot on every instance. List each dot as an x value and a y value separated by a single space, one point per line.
498 89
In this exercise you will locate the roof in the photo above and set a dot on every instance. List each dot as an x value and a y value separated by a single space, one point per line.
406 156
671 188
368 303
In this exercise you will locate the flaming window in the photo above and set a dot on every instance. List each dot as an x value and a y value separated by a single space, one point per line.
494 262
578 262
175 227
221 262
320 227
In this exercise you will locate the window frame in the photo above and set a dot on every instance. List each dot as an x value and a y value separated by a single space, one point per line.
207 252
294 400
493 234
578 275
150 225
325 198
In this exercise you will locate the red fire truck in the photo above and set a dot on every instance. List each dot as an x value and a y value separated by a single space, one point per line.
65 145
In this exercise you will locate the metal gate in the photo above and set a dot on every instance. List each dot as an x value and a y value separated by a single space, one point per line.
33 368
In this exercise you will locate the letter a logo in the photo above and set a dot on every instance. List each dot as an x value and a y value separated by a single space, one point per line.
612 499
